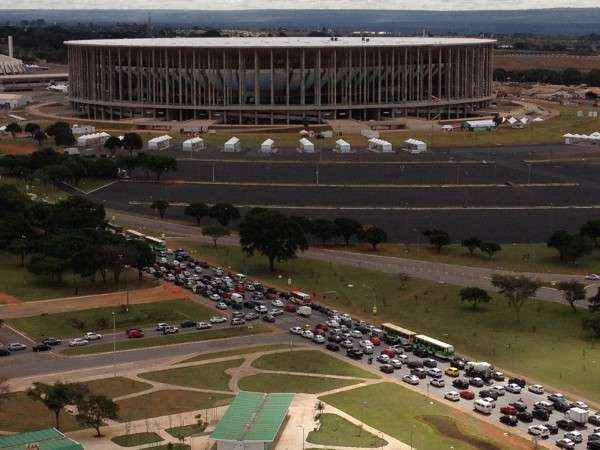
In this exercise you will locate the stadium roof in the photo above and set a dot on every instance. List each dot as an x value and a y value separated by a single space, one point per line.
253 416
9 66
46 439
282 42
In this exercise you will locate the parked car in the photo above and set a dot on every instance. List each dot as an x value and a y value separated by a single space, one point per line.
453 396
429 362
78 342
520 381
51 342
203 325
134 333
15 347
539 430
410 379
296 330
566 424
332 347
594 419
511 421
508 410
319 339
536 389
437 382
187 324
565 443
476 381
170 329
218 319
41 347
524 416
513 388
452 372
434 372
354 353
4 352
541 414
460 383
419 372
386 368
239 321
575 436
467 395
519 405
490 393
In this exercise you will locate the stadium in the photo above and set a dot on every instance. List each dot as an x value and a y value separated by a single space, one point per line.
279 80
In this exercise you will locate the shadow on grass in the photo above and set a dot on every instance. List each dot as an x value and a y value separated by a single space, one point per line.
447 427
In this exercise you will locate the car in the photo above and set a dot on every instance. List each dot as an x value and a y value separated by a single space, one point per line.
414 363
508 410
4 352
541 414
489 393
410 379
271 319
542 404
566 424
476 381
575 436
422 352
261 309
276 312
296 330
218 319
580 404
386 368
319 339
519 405
419 372
277 303
375 341
513 388
396 363
332 347
383 358
562 405
134 333
434 372
356 334
460 383
354 353
15 347
78 342
524 416
594 418
453 396
536 389
499 389
52 342
511 421
290 308
592 277
347 344
555 396
170 329
593 445
437 382
595 436
203 325
565 443
251 316
458 363
368 349
41 347
187 324
452 372
498 376
386 351
308 334
221 305
160 326
429 362
467 395
215 297
551 427
239 321
539 431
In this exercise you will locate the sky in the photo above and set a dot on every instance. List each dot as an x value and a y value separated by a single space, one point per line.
300 4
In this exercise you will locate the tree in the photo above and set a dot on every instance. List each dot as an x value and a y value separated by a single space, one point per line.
112 144
132 142
474 295
20 247
591 229
271 234
490 248
347 228
215 232
224 213
32 128
570 247
374 236
39 136
324 229
77 213
197 210
471 244
516 290
161 206
592 323
54 175
437 238
54 397
92 410
573 291
158 164
13 128
141 254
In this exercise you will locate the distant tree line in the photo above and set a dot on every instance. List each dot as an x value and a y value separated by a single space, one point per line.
550 76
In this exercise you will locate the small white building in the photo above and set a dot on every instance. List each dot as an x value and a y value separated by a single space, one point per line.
193 144
341 146
380 146
305 146
92 140
233 144
160 142
268 147
447 128
83 129
414 146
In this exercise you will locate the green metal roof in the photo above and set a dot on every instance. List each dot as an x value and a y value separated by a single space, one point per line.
253 416
47 439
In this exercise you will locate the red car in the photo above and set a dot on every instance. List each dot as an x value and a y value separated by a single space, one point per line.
375 341
135 333
467 395
508 410
322 327
290 308
389 351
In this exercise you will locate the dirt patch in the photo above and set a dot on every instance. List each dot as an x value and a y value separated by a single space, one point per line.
448 427
7 299
9 148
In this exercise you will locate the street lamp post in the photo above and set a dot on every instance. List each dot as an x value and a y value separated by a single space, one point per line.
127 286
114 317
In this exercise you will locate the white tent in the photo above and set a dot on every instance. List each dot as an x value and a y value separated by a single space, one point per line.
414 146
193 144
267 146
305 146
447 128
512 120
160 142
380 146
232 145
92 140
538 119
83 129
341 146
524 120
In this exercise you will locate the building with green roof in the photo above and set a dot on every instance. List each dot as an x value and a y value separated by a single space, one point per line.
252 422
46 439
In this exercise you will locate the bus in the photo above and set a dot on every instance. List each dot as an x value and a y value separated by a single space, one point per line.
157 245
438 348
393 334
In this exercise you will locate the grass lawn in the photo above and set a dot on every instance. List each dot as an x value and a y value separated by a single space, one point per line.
20 413
235 352
205 376
162 403
419 421
186 431
536 258
167 340
66 324
310 361
274 382
336 430
133 440
20 283
568 359
116 386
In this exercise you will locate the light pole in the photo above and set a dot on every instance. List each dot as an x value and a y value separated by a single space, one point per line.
114 317
127 286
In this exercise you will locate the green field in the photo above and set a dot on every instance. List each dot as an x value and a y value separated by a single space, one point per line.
18 282
206 376
235 352
310 361
162 403
136 439
568 359
416 420
274 382
186 431
168 340
69 324
336 430
116 386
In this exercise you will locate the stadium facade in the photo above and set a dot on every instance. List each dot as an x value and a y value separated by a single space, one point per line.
279 80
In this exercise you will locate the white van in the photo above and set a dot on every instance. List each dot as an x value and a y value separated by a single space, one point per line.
483 406
305 311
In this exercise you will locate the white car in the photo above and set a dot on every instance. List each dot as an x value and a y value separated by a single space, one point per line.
218 319
261 309
347 343
411 379
396 363
491 401
539 431
536 388
277 303
383 358
513 388
91 336
453 396
319 339
308 334
368 349
356 334
160 326
332 324
544 404
402 358
221 305
499 389
582 405
276 312
575 436
296 330
78 342
592 277
437 382
435 372
16 346
203 325
365 343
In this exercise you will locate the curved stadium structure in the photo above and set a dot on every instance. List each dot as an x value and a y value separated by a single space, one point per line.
279 80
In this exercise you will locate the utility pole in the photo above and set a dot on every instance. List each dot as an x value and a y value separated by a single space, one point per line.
114 317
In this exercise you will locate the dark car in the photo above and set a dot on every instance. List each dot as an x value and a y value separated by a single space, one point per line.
541 414
41 347
50 341
489 393
335 338
354 353
428 362
524 416
460 383
477 382
414 363
459 363
511 421
553 429
562 405
268 318
238 321
332 347
422 352
4 352
386 368
515 380
593 445
419 372
566 424
519 405
187 324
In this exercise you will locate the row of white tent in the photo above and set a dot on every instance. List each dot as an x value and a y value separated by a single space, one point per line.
593 138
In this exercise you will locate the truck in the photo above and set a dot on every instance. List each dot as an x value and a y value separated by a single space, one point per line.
305 311
482 369
236 301
578 415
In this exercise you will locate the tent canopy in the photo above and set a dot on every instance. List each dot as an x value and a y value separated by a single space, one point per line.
160 139
232 141
269 142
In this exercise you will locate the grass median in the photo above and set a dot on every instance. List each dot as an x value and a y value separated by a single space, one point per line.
235 352
131 344
300 384
335 430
